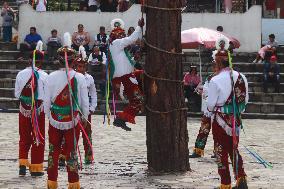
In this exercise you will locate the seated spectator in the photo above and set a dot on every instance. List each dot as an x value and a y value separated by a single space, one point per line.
109 5
41 5
97 60
101 40
30 41
8 16
97 57
80 38
53 44
123 5
191 81
272 73
93 5
271 46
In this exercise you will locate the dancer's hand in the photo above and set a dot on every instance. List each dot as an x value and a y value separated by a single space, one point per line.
141 22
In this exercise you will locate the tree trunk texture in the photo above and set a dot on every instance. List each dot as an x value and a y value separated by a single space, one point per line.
167 135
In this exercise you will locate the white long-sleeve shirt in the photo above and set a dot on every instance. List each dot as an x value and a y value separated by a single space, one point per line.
220 88
120 60
24 76
93 60
92 92
55 83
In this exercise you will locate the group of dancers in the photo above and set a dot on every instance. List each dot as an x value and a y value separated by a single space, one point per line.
68 98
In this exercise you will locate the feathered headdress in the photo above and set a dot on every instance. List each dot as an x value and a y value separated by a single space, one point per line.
117 26
82 58
39 54
222 46
71 53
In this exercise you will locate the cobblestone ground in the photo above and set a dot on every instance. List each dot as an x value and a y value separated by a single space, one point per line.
120 158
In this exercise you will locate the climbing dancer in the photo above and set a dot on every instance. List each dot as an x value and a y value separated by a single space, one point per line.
66 96
29 89
121 72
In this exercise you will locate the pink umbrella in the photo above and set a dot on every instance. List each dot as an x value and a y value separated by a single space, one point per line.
193 38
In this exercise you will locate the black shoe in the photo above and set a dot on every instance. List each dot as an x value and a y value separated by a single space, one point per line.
37 174
61 162
241 185
213 156
23 170
194 155
120 123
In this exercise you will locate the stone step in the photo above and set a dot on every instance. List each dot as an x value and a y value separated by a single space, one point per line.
239 66
257 87
258 77
262 116
264 107
266 97
237 57
8 46
9 55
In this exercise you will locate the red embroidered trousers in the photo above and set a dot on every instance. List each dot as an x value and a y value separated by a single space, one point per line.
133 94
87 147
27 139
71 137
223 149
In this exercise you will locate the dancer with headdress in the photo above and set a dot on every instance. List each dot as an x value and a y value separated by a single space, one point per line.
81 64
227 99
29 89
66 105
121 72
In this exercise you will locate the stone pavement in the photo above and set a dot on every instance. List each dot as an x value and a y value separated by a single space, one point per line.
120 158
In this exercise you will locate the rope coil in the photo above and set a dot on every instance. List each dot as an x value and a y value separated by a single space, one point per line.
163 8
162 79
161 50
165 112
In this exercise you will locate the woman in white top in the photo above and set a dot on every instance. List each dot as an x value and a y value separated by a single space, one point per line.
41 5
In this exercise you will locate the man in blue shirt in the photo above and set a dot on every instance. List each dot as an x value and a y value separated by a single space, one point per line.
30 41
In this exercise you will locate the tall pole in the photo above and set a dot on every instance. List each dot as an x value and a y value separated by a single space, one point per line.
166 121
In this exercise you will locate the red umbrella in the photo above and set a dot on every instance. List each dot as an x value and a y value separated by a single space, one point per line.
193 38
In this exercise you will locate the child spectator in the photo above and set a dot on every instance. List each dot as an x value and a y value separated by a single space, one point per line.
80 38
97 57
101 40
53 44
272 74
271 46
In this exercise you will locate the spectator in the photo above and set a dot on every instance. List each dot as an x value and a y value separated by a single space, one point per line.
123 5
83 5
53 44
30 41
219 28
97 60
271 46
8 15
97 57
191 81
93 5
80 38
41 5
109 5
272 73
101 40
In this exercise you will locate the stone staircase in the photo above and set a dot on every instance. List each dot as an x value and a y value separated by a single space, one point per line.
261 105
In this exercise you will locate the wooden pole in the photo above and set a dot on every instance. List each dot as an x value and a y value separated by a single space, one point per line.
166 121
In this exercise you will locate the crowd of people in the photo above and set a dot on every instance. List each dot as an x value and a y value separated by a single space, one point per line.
68 98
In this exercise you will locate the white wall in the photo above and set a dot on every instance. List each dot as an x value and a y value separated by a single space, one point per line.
245 27
275 26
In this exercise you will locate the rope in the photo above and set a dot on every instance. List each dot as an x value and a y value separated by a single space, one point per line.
165 112
162 79
161 50
163 8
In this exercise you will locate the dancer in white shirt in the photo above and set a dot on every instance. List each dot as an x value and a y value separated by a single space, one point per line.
66 104
121 72
29 89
